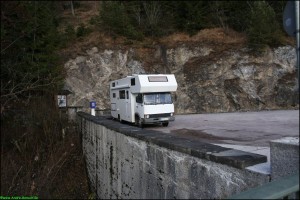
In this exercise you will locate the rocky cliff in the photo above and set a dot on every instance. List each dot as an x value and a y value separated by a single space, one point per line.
213 75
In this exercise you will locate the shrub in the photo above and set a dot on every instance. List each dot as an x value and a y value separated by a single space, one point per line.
263 29
82 30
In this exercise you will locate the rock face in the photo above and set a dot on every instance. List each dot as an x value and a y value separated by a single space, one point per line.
210 78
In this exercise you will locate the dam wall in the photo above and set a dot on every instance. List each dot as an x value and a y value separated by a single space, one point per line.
124 161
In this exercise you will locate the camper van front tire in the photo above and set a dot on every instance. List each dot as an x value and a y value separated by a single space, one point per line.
138 122
165 124
120 120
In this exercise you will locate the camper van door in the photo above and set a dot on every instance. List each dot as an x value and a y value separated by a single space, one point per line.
128 106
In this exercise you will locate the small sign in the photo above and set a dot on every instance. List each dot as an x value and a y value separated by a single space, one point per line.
92 104
62 101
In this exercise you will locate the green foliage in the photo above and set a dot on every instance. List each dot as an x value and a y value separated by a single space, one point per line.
190 16
93 20
115 19
82 30
70 32
237 13
29 40
158 18
263 29
136 19
278 7
218 11
68 35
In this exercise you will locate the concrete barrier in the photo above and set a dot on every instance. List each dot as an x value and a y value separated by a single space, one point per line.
124 161
284 157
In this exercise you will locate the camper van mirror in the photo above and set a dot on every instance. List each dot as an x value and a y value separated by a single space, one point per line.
139 98
158 79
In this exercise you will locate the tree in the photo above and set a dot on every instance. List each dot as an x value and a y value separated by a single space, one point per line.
238 14
278 7
115 19
151 18
263 28
29 39
153 15
191 16
72 8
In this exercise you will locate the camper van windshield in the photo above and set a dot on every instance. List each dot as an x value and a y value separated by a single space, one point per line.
157 98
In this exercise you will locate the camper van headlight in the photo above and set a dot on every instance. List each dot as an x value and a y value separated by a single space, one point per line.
171 114
146 116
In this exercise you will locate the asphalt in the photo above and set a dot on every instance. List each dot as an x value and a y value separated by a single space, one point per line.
245 131
239 128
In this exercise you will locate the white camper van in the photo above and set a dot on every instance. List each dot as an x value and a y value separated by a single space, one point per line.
143 99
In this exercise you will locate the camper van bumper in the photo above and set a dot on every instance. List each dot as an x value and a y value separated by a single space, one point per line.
158 120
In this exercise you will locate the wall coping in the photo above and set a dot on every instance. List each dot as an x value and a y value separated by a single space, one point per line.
232 157
292 141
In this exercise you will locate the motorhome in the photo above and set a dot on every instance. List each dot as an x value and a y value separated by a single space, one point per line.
143 99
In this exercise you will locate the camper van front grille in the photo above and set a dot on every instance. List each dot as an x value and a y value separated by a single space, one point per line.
160 115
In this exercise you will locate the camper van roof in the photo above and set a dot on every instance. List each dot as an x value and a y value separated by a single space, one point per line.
146 83
155 83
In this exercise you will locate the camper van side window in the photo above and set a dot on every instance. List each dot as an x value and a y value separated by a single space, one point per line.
114 95
133 81
127 95
122 94
113 84
139 98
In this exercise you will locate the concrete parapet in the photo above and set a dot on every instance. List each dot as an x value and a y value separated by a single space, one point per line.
124 161
284 154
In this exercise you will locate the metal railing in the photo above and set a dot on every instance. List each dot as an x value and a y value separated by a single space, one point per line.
282 188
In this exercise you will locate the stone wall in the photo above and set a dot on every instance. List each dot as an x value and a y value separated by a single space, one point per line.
124 161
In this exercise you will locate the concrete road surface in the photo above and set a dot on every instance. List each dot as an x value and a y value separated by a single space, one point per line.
240 128
245 131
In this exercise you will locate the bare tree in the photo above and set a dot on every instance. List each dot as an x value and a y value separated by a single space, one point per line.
137 13
153 12
219 10
28 66
21 89
72 8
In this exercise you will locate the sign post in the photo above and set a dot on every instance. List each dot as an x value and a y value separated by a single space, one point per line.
298 39
291 26
93 106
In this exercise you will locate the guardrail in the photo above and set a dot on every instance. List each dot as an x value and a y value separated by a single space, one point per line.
285 187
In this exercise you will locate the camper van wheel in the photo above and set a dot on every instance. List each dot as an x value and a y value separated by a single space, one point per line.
138 122
119 118
165 124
